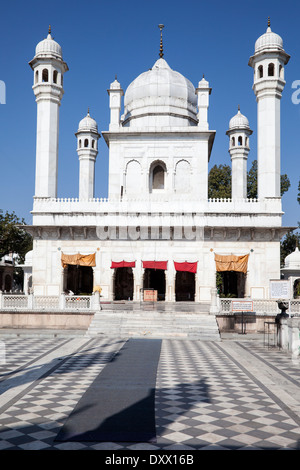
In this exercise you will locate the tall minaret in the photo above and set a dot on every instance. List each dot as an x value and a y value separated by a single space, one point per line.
49 68
87 149
268 63
238 133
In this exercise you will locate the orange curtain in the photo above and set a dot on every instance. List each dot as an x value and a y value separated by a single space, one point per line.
232 263
78 259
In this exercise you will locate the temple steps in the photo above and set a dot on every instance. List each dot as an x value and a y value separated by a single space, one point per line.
154 324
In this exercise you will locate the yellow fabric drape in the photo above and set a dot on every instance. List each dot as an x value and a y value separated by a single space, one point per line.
78 259
231 263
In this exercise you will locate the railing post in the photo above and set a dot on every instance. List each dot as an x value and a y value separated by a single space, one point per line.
214 302
62 301
30 301
1 300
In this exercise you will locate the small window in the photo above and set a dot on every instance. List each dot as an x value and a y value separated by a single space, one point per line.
260 71
158 181
36 76
45 75
79 143
86 142
55 76
240 140
271 70
281 72
247 141
233 141
93 144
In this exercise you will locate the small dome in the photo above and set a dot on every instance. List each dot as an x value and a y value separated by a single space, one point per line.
160 91
28 258
239 121
88 124
48 47
292 261
269 40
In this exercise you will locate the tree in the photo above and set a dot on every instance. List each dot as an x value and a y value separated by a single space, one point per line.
219 182
13 239
288 245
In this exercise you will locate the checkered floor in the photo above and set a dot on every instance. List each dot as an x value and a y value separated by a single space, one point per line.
206 395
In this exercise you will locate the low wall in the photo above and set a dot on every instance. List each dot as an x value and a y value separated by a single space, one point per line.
46 320
289 337
250 323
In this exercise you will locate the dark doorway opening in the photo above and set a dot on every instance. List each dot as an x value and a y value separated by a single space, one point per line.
185 286
231 284
123 284
79 279
155 279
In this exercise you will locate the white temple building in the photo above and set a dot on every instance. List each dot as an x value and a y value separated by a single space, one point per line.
157 229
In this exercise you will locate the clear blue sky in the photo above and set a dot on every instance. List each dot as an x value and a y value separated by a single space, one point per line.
103 38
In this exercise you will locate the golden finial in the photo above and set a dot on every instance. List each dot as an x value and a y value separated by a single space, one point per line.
49 29
239 108
161 26
269 22
88 111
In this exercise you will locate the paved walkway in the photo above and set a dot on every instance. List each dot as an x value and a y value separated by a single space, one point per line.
234 394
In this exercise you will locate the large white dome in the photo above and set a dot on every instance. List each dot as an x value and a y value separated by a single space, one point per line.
160 96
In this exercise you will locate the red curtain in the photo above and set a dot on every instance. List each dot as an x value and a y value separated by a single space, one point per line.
190 267
122 264
155 264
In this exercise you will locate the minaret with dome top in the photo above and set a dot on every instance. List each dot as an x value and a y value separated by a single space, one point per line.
48 67
87 149
268 63
238 133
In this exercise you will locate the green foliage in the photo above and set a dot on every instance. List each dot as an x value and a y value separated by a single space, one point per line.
219 182
288 245
12 238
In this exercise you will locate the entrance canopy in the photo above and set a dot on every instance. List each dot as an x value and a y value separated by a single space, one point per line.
186 266
155 264
78 259
231 263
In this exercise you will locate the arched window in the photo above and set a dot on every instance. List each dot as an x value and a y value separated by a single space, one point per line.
36 76
271 70
281 72
55 76
79 143
93 144
86 142
233 141
260 71
240 140
45 75
247 141
158 177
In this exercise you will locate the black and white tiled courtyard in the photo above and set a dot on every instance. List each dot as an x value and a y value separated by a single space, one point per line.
233 394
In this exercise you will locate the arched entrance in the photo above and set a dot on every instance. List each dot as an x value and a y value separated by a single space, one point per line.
123 284
185 286
79 279
231 284
155 279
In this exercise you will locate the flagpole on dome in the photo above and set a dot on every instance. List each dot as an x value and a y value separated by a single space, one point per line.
161 53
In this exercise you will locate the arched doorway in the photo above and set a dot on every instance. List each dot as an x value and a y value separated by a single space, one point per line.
155 279
79 279
7 283
185 286
123 284
231 284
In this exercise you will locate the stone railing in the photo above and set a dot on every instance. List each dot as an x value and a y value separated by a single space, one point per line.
261 306
20 302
